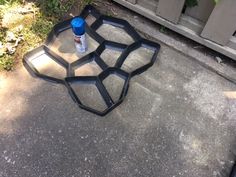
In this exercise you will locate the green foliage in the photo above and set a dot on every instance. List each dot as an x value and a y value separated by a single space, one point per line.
6 62
162 29
35 26
3 32
83 3
42 26
88 1
191 3
55 7
3 2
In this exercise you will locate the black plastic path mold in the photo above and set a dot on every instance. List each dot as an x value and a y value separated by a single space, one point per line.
116 22
70 80
92 57
150 61
112 46
36 54
97 81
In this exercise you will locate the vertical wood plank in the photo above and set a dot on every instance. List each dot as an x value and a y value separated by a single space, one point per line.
132 1
202 11
170 9
222 22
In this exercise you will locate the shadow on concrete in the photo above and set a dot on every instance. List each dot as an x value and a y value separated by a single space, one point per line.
43 133
177 120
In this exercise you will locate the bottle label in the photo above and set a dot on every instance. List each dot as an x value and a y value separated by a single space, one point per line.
81 43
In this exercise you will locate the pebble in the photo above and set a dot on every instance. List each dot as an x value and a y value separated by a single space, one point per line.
10 37
219 60
10 49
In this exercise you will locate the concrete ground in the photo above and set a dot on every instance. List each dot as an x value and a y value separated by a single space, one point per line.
178 120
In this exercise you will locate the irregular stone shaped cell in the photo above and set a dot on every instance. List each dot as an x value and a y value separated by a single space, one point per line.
61 41
91 94
88 93
90 14
45 64
138 57
64 46
115 30
116 83
110 52
90 65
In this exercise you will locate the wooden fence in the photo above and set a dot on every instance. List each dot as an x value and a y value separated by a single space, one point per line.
210 24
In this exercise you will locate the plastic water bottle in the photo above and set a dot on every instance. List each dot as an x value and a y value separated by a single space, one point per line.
78 28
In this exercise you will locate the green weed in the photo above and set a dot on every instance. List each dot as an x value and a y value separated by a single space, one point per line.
3 2
191 3
42 26
55 8
163 29
6 62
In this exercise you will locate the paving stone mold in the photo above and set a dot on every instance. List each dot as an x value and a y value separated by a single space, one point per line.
97 81
37 54
65 73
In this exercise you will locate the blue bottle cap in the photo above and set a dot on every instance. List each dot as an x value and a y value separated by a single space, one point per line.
78 26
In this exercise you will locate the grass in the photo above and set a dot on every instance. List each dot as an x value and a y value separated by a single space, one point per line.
6 62
58 7
36 25
34 30
42 27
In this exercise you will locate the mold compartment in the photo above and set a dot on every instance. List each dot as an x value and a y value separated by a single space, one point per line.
64 45
90 65
89 94
116 83
90 19
45 64
139 56
115 30
110 52
90 14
